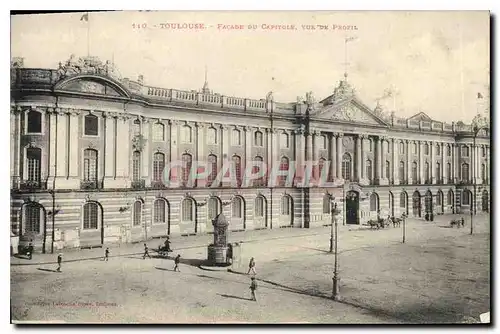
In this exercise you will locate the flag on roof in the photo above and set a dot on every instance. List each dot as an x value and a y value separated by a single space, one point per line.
85 17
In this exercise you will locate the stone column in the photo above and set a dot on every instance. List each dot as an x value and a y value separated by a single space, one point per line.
226 154
333 159
359 167
145 154
421 163
248 152
456 166
315 154
395 162
61 147
200 154
364 177
339 157
14 134
409 153
478 164
174 150
379 160
269 158
432 173
109 169
444 153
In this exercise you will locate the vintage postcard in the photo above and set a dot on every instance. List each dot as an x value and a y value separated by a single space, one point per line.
250 167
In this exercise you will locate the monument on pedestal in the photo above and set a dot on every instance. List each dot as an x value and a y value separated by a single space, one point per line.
218 251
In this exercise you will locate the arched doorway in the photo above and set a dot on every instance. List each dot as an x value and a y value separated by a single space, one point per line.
32 226
391 204
485 201
351 207
451 200
439 202
428 202
416 204
403 202
92 223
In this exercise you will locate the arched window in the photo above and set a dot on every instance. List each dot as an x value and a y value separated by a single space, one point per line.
186 134
187 210
466 197
34 121
426 149
212 167
415 148
214 207
283 167
438 171
448 171
402 175
136 166
483 172
237 169
212 136
370 145
388 173
465 150
258 168
326 204
137 213
259 206
439 198
414 172
158 166
465 172
401 148
159 211
426 172
258 138
32 223
187 161
449 198
369 170
137 127
438 149
346 166
158 132
236 137
448 149
403 199
90 165
91 216
285 142
286 205
33 164
237 207
91 125
373 202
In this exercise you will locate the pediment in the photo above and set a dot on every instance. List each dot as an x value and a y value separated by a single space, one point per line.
350 110
92 85
421 116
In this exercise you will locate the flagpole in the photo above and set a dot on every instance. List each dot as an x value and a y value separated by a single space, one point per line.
88 34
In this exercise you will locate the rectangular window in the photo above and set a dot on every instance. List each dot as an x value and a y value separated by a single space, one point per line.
91 125
158 132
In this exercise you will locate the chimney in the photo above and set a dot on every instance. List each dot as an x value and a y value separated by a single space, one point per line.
140 79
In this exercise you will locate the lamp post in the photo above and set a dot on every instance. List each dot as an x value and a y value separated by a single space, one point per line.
336 278
404 227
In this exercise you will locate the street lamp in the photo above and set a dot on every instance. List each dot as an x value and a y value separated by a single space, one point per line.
336 278
404 226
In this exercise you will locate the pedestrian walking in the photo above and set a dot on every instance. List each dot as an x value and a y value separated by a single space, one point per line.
59 261
463 221
253 287
106 254
251 266
146 252
177 260
167 245
30 249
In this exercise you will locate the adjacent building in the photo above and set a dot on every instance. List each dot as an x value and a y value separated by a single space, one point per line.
88 150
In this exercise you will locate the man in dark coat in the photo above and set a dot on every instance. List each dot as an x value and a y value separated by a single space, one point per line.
59 261
146 252
30 249
177 260
253 287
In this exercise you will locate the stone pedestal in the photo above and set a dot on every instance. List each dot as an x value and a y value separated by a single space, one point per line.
217 255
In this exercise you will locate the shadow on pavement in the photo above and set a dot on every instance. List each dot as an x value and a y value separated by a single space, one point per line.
316 249
164 269
49 270
235 297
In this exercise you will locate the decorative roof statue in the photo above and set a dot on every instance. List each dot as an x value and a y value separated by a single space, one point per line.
269 96
310 98
480 121
343 91
86 65
378 109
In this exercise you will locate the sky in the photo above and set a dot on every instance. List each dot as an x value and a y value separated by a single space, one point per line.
436 62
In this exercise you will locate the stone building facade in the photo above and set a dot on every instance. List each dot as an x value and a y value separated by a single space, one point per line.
88 150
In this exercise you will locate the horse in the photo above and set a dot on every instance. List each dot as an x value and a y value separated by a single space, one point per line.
164 250
396 221
373 223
